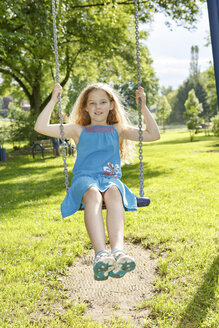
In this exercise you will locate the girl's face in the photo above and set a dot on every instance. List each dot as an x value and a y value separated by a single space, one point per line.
98 106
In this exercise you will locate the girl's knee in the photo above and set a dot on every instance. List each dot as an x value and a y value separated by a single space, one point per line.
112 193
93 195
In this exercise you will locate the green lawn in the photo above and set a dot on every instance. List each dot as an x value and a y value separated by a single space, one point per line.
179 227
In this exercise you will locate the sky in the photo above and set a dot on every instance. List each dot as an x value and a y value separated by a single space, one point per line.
171 49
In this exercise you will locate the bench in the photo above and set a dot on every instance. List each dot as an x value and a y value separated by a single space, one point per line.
48 144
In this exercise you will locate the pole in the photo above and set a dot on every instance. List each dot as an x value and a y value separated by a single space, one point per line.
213 14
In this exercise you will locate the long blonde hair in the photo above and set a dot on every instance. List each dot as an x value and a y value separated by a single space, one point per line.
117 115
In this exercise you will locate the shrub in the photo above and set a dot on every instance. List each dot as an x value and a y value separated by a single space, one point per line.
193 125
215 127
3 135
22 125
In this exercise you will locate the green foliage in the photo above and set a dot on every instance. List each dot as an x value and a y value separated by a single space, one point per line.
209 81
193 109
89 37
192 105
22 125
198 84
194 124
215 127
3 112
205 89
163 110
95 42
4 135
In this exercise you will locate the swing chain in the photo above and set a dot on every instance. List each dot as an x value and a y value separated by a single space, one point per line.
59 98
141 167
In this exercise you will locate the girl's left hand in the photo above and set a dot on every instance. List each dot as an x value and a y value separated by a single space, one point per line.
141 94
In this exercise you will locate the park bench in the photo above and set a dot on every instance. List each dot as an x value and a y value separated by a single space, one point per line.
47 144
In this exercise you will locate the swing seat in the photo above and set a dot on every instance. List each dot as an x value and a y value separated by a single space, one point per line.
141 202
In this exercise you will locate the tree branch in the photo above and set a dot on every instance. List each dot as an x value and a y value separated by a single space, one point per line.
65 80
10 28
15 69
104 4
16 78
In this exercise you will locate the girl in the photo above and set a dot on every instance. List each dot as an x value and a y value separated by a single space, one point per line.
100 132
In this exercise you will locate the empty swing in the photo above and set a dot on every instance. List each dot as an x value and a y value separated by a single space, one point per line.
141 201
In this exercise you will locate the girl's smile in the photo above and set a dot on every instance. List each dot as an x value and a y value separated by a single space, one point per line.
98 106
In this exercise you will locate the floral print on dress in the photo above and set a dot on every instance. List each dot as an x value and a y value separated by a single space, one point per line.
111 170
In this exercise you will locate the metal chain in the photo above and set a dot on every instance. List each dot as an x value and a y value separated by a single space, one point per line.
59 98
141 167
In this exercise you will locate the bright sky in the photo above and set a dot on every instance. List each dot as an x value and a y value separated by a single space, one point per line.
171 50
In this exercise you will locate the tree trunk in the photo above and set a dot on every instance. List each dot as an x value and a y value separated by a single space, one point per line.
35 100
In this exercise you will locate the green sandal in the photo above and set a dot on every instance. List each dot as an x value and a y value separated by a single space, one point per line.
124 264
104 262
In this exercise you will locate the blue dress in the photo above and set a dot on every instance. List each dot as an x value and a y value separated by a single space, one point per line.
98 164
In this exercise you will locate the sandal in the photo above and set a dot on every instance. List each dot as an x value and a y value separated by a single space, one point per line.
124 264
104 262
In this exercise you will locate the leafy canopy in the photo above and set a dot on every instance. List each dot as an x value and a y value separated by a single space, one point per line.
192 105
91 35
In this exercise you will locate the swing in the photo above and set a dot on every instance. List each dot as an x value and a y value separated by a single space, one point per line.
141 201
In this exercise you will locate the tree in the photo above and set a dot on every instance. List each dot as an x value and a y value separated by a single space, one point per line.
2 112
194 69
193 109
195 81
209 81
89 36
163 110
192 105
87 32
215 128
178 108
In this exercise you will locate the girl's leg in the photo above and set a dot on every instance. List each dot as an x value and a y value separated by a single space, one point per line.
115 217
92 200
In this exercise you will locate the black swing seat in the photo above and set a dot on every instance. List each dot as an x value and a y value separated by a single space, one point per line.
141 202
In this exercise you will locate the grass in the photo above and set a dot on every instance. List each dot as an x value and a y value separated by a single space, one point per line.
179 227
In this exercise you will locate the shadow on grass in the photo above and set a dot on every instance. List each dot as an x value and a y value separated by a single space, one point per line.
16 167
203 300
25 194
185 140
130 173
214 146
40 183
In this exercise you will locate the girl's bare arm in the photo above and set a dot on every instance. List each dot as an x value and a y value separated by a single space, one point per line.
43 125
151 132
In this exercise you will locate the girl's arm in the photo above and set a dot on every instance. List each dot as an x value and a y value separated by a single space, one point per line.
43 126
151 132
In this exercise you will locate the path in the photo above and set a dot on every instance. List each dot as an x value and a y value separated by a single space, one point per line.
114 296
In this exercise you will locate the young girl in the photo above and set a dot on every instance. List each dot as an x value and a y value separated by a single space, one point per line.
100 132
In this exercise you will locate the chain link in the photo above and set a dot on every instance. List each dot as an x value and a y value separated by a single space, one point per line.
59 98
141 167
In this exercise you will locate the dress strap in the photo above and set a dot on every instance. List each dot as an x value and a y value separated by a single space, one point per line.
114 128
82 131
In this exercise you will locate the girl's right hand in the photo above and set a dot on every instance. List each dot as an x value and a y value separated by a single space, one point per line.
57 89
